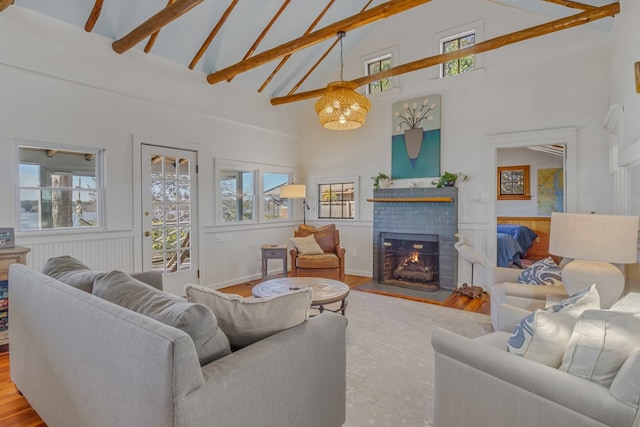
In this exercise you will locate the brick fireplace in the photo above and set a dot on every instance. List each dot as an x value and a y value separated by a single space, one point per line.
413 237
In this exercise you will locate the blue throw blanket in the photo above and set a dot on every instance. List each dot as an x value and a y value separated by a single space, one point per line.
509 251
523 235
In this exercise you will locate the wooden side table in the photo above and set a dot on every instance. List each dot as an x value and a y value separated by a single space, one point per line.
8 256
274 252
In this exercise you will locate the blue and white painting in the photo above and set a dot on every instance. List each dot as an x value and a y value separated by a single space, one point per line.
415 142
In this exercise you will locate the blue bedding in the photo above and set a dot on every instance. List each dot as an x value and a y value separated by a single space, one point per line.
509 251
523 235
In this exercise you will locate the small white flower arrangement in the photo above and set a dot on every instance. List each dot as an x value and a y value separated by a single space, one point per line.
413 115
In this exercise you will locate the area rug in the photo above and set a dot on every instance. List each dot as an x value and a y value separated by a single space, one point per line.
390 358
415 294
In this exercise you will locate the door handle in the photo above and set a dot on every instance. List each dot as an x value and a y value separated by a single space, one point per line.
147 233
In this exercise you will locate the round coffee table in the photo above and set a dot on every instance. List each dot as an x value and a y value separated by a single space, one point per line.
325 291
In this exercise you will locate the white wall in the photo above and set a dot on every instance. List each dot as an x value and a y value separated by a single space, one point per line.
555 81
61 85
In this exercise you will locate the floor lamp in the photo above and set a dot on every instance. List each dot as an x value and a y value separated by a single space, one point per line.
296 191
594 242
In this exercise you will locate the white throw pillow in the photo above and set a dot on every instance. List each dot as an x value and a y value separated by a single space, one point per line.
629 303
543 335
544 272
601 342
248 320
307 245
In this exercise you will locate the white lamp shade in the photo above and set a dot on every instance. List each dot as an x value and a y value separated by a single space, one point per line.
591 237
293 191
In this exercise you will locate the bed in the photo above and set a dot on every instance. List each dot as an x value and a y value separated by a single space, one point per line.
513 243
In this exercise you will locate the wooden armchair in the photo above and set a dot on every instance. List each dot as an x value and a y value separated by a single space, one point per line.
330 264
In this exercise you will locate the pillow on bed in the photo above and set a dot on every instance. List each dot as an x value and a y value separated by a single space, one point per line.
544 272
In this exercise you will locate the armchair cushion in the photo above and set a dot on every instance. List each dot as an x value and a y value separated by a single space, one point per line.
325 260
307 245
600 343
248 320
544 272
71 271
543 335
325 236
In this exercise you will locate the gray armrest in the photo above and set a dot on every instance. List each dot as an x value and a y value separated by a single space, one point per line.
303 367
503 274
475 380
150 277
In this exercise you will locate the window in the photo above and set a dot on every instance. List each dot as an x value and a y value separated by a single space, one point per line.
250 192
336 200
60 188
377 65
460 65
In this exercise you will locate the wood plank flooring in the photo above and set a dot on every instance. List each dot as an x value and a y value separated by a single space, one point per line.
15 411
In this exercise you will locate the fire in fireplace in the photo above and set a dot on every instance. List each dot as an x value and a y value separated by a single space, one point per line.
410 260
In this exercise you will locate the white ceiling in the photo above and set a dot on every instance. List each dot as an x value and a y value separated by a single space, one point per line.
180 40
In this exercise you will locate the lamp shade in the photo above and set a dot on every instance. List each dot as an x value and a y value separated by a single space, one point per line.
591 237
293 191
342 108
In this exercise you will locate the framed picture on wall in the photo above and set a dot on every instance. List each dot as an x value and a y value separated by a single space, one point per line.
513 183
6 238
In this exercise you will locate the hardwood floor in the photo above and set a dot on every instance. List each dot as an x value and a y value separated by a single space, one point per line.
15 411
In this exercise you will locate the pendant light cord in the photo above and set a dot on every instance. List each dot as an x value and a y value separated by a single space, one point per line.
341 34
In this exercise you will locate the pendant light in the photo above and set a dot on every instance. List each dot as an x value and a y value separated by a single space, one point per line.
342 108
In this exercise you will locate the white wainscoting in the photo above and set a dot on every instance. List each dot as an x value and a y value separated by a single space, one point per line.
99 251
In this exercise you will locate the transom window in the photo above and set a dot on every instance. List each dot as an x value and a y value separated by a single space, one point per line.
377 65
336 200
461 65
60 188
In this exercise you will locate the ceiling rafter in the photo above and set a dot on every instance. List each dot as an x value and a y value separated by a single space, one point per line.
264 32
93 16
156 22
154 36
385 10
5 4
324 55
578 19
212 34
286 57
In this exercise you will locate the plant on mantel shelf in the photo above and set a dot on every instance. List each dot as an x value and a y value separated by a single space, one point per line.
380 180
448 179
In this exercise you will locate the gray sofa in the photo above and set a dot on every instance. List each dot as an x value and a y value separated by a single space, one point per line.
83 361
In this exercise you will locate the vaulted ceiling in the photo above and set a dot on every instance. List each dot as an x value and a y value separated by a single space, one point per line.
286 49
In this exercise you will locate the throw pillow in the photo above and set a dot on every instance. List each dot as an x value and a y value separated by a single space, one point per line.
307 245
248 320
196 320
629 303
601 342
544 272
71 271
325 236
543 335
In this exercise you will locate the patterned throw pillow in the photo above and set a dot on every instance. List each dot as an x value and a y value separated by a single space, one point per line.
543 335
544 272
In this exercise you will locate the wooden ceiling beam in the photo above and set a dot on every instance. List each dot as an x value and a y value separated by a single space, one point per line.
5 4
377 13
572 4
314 66
495 43
154 36
286 57
153 24
264 32
93 16
212 34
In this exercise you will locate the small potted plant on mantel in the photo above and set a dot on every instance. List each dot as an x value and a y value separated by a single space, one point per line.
380 181
448 179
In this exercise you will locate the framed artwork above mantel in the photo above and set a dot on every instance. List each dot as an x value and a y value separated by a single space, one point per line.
513 183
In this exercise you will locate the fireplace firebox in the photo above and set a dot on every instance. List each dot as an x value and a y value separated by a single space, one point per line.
410 260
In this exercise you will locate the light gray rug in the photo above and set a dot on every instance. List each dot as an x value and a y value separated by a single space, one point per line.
390 358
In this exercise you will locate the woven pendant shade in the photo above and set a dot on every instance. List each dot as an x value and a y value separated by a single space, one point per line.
342 108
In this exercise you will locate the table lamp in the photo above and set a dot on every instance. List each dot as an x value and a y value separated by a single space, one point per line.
296 191
594 242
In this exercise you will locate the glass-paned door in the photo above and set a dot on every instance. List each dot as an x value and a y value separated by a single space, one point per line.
169 215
